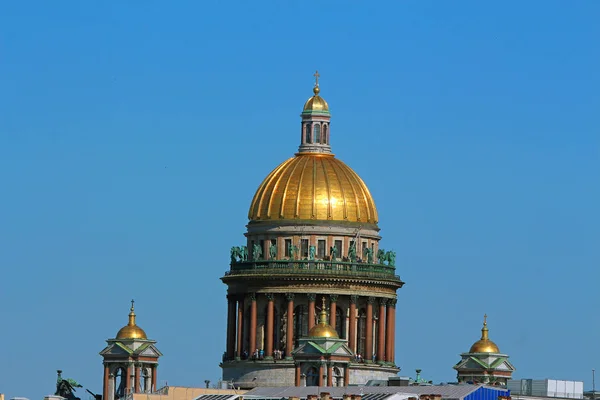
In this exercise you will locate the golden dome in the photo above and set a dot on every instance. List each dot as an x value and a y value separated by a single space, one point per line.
323 329
131 330
484 345
313 186
316 103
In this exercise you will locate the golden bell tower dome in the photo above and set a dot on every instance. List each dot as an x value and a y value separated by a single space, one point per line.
323 329
484 345
316 102
314 185
131 330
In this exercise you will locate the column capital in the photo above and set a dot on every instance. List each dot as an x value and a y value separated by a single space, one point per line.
383 301
231 297
333 298
311 296
252 296
392 303
354 299
371 300
270 296
289 296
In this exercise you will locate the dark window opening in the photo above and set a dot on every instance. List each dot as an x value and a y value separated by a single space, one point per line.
321 244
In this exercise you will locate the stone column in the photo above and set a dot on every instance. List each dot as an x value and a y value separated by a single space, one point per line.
111 387
138 377
391 330
381 331
105 382
297 375
368 357
329 375
270 323
289 335
252 323
154 373
332 309
128 378
347 375
352 324
230 327
321 372
311 310
240 328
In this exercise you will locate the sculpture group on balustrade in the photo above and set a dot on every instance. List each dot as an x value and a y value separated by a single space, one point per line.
239 254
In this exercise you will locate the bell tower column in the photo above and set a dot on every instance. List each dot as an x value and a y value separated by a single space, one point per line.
289 335
390 330
332 309
240 327
368 356
381 331
252 323
311 310
352 324
270 323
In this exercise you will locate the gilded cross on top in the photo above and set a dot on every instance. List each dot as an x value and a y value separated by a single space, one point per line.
316 75
485 319
132 303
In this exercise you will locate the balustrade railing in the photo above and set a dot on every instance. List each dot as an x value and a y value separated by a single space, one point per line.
316 267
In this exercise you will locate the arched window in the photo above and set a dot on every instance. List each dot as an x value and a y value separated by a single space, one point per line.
325 136
317 133
340 322
362 334
300 323
307 138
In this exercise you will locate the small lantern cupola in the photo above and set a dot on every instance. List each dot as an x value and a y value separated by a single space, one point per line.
314 137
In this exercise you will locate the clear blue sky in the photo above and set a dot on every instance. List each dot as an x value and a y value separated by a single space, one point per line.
133 136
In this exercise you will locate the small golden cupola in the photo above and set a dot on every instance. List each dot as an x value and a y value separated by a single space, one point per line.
484 345
131 330
316 103
323 329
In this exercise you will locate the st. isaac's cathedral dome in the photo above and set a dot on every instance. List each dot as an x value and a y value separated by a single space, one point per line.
314 185
312 233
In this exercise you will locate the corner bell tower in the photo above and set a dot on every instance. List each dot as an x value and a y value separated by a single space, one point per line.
314 136
130 362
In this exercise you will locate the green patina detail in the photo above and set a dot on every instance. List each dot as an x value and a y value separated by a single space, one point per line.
127 349
483 365
497 362
336 346
142 347
316 346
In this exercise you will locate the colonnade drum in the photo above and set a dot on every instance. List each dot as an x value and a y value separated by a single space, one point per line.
312 233
267 326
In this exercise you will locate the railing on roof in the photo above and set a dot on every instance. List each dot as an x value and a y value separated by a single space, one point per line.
313 267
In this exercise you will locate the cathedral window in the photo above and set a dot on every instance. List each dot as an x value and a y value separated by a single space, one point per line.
325 137
362 334
300 323
317 133
321 244
304 247
288 243
340 322
307 138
